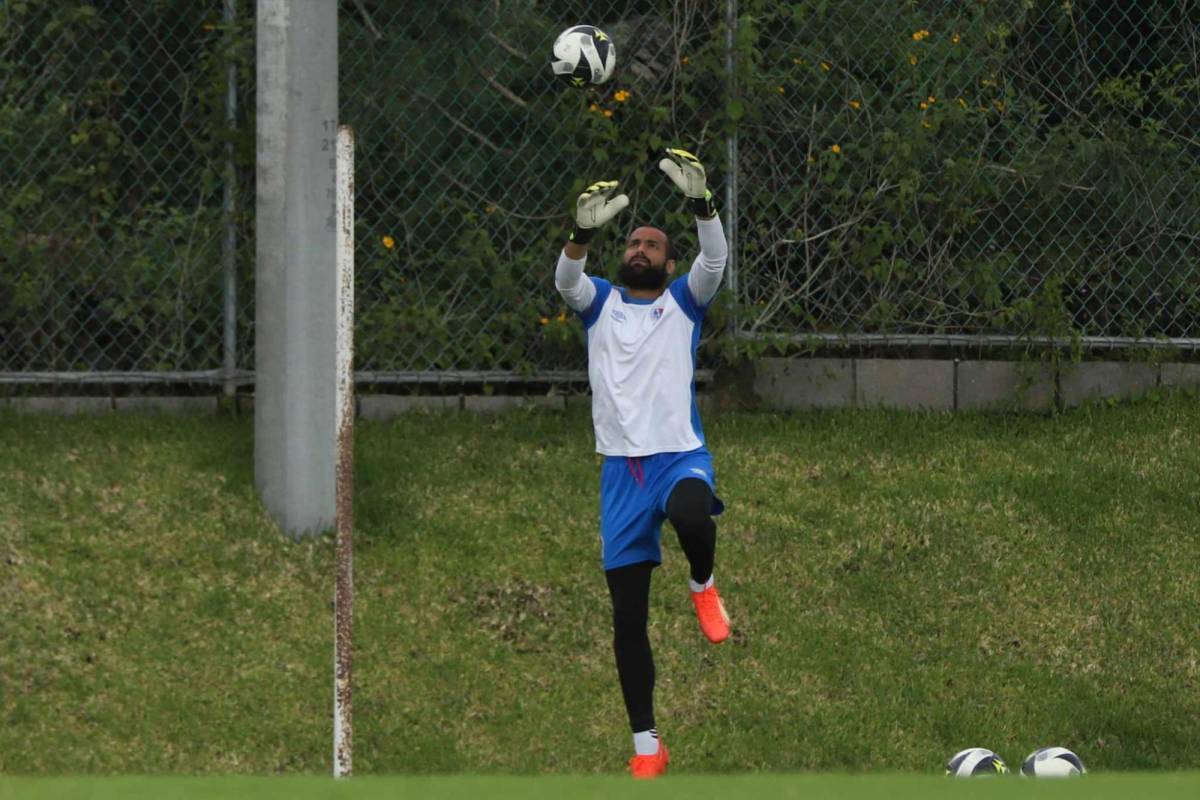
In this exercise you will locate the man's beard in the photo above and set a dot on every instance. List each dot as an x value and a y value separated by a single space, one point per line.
642 277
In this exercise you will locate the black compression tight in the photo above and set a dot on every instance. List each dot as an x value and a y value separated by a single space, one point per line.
689 509
630 590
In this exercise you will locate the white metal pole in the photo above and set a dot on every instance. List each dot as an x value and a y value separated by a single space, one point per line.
344 408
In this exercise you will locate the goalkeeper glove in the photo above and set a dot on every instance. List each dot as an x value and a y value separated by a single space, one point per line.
686 171
594 208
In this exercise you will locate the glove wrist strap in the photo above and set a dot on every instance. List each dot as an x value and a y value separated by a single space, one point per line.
580 235
703 206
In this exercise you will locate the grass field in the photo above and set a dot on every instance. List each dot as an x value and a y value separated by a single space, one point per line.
1161 786
902 586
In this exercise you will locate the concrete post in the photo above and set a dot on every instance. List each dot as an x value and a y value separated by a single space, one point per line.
295 292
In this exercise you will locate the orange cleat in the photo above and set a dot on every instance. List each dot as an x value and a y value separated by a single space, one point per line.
711 613
648 767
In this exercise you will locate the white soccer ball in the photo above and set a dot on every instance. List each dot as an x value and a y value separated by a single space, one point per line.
1052 762
584 55
975 762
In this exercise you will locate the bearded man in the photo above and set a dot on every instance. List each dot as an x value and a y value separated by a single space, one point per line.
642 337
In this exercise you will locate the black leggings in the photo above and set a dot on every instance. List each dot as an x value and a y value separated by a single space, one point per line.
689 508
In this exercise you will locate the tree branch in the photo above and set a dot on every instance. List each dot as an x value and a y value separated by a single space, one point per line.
367 19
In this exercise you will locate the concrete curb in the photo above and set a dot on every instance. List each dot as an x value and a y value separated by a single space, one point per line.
1005 386
908 384
1081 383
935 385
781 384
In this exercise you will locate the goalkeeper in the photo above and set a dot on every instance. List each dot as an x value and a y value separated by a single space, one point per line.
641 343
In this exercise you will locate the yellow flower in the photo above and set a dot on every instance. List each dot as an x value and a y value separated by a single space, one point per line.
779 89
931 99
562 316
962 102
543 321
683 60
489 209
825 66
922 106
608 113
837 148
797 61
926 124
621 96
954 38
389 242
919 35
912 59
593 107
855 104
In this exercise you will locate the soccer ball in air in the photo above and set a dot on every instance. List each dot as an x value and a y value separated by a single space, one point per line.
975 762
1052 762
584 55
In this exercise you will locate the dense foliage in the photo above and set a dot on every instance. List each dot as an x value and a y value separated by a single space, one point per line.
1019 167
112 153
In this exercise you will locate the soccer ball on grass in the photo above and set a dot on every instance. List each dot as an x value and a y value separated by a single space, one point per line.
975 762
1052 762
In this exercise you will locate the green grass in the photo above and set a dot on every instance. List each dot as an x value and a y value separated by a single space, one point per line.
902 586
1162 786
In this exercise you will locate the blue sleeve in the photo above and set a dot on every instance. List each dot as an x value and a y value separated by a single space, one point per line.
679 288
592 313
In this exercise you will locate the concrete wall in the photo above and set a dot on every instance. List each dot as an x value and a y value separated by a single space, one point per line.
69 406
779 383
930 385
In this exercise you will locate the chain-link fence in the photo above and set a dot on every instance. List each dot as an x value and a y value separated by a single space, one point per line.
120 241
980 169
1000 171
471 154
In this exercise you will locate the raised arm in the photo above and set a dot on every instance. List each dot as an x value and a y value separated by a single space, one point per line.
704 279
686 171
593 208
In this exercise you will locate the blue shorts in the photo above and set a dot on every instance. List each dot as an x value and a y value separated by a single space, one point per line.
633 502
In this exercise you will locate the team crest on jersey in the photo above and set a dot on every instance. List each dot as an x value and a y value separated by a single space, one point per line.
657 314
618 315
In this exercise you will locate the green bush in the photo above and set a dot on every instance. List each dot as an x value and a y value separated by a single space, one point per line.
112 151
1019 167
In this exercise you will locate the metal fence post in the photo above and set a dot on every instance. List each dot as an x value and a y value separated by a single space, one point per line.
731 146
228 204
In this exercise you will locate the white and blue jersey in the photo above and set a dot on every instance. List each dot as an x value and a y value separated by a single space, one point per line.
641 368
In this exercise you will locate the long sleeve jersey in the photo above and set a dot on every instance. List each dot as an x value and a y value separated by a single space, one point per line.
642 353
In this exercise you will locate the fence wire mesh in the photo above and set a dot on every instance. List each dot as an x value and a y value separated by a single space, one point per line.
114 146
472 155
1022 168
1013 168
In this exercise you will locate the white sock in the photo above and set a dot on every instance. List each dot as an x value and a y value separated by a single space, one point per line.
646 742
700 587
